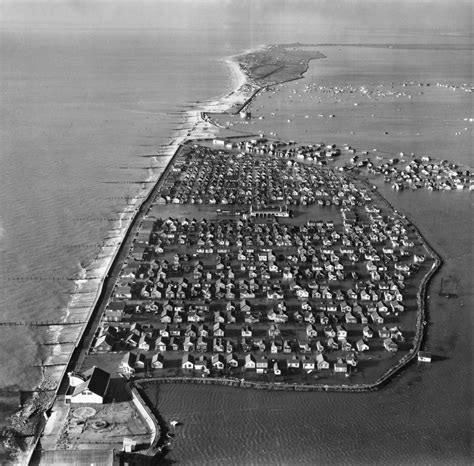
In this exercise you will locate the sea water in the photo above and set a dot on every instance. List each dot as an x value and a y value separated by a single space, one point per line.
79 109
80 116
423 415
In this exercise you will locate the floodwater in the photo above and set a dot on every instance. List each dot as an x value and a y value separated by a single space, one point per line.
81 106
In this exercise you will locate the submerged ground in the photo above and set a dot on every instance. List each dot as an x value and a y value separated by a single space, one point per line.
171 410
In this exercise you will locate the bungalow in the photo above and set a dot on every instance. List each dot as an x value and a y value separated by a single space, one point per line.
329 332
332 344
294 362
144 342
218 345
245 306
322 362
187 362
218 329
229 347
140 362
104 343
350 318
250 362
341 332
173 344
273 348
157 361
218 361
390 345
132 340
274 294
345 345
345 307
231 360
361 346
166 317
367 332
323 318
340 367
331 307
191 331
203 331
319 346
188 344
397 307
262 364
115 311
308 363
128 364
302 294
93 389
276 369
123 291
381 307
376 318
311 331
201 344
351 359
424 356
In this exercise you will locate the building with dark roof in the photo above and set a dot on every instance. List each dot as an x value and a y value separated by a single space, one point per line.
92 390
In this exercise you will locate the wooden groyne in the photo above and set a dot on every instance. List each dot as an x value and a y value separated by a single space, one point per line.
40 323
106 288
48 279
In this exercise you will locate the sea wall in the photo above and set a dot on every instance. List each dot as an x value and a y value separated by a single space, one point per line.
150 419
102 294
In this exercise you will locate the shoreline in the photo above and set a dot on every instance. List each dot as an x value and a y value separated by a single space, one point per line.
141 211
173 147
107 281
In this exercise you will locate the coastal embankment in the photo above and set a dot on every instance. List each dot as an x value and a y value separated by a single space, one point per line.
87 333
107 285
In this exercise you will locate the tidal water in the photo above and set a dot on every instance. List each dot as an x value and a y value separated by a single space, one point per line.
423 416
80 109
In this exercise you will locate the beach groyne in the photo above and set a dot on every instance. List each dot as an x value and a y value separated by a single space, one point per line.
106 287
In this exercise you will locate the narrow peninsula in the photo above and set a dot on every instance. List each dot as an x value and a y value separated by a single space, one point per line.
253 263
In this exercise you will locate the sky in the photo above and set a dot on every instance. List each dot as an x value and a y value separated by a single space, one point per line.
444 16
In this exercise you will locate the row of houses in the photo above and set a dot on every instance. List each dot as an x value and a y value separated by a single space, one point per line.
258 285
132 363
216 177
423 174
280 149
218 338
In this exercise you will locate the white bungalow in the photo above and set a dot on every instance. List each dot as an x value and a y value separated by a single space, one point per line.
250 361
92 390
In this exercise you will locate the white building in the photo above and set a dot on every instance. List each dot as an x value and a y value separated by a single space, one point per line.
92 389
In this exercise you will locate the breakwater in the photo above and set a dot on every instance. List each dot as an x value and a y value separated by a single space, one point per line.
106 287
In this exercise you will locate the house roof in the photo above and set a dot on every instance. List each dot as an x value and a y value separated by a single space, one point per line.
116 305
97 381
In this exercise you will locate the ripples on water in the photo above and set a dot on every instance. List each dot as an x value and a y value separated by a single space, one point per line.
73 119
